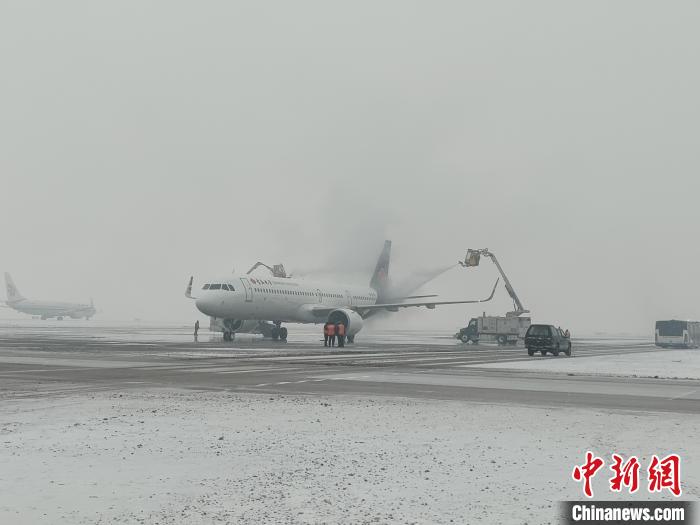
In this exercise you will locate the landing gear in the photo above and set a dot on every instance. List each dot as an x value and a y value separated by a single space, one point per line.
59 318
350 339
229 336
279 332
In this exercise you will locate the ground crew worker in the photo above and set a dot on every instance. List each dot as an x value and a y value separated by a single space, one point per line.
196 329
567 334
341 335
331 334
326 335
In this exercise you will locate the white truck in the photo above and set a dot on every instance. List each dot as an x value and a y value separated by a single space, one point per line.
505 330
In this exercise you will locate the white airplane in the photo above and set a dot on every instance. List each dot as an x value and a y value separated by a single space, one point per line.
45 309
251 304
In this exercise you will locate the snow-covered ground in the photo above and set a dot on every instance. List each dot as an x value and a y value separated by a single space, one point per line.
216 457
677 364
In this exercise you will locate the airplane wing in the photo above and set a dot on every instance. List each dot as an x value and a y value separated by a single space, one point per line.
394 307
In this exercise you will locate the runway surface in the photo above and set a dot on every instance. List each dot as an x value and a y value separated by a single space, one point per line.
38 360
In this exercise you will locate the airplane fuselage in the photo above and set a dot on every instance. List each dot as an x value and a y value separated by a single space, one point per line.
278 299
48 309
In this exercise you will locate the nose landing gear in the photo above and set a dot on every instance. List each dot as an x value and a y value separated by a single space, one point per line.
279 332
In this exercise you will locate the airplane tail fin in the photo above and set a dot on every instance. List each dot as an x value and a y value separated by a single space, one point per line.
380 277
13 294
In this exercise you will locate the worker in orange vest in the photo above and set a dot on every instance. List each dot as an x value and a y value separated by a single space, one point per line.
326 334
341 335
331 334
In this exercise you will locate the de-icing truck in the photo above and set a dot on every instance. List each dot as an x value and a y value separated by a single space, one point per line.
504 330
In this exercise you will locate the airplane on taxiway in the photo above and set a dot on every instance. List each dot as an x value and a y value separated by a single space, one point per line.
252 304
45 309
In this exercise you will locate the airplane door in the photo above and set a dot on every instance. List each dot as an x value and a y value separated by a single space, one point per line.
348 297
319 296
248 289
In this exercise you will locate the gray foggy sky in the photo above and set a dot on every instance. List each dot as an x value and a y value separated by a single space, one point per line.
141 142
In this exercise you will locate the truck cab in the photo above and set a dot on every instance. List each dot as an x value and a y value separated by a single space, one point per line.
469 332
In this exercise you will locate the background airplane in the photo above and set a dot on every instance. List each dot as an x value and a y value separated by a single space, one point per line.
45 309
250 304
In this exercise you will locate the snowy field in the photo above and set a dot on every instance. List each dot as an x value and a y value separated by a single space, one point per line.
218 457
676 364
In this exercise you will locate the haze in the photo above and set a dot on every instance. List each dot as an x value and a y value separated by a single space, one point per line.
143 142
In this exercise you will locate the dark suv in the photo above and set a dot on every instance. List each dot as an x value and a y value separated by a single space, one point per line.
546 338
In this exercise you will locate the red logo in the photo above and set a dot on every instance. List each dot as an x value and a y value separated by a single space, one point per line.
662 473
626 474
586 471
665 474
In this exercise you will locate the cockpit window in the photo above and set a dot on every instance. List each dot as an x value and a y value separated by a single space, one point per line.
224 286
215 287
231 288
206 286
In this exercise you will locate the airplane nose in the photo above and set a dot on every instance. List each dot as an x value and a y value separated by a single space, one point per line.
204 305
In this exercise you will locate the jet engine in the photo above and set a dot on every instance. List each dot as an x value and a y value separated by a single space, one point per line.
351 319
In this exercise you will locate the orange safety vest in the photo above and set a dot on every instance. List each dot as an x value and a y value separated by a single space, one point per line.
341 329
331 329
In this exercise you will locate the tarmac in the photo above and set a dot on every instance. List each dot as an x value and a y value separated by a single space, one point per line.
53 360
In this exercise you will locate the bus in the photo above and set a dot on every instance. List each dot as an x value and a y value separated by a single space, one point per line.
677 334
